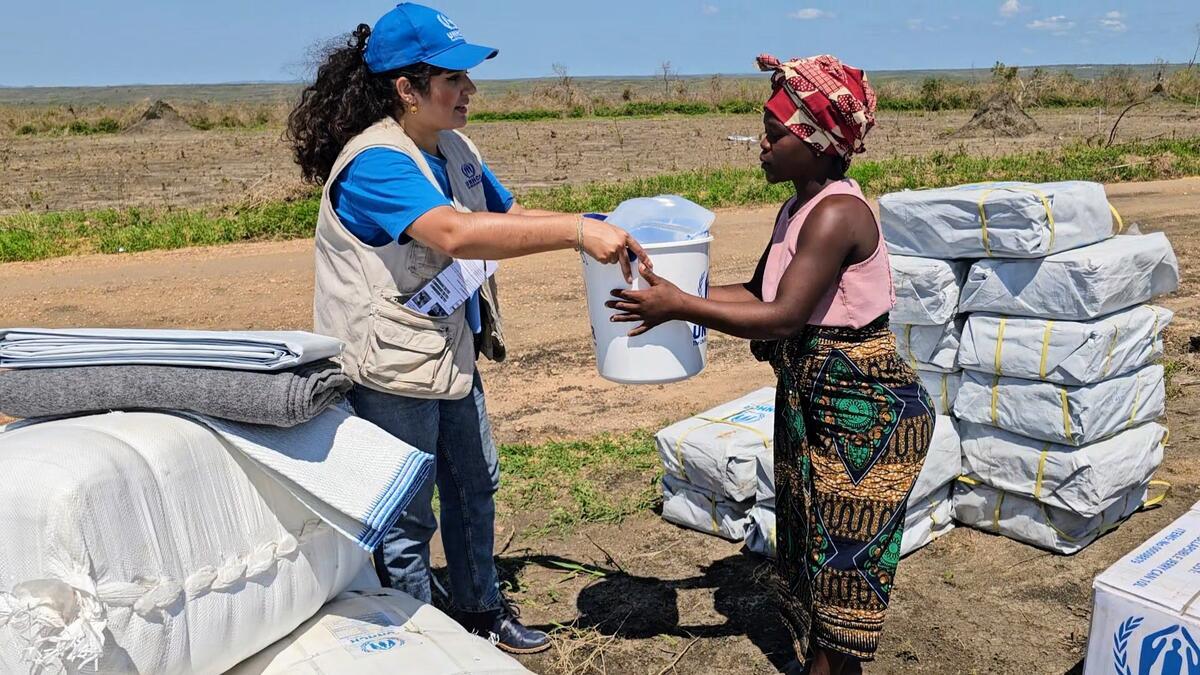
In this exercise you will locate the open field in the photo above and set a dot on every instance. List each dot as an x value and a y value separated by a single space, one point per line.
969 603
193 168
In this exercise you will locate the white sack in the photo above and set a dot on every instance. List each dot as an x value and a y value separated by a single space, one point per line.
1027 521
946 222
377 633
943 463
1059 413
1066 352
926 289
766 478
1084 481
942 388
926 520
697 509
929 347
1075 285
717 450
178 554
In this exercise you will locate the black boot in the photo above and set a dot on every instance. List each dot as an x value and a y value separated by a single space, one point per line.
502 628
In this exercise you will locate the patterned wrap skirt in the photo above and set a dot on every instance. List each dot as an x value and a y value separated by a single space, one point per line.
852 428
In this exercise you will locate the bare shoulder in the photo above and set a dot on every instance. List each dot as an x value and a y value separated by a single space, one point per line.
842 209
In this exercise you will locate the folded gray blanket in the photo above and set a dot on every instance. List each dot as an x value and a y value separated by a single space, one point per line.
282 398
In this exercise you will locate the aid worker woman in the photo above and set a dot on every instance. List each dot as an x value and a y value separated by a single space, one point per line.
404 195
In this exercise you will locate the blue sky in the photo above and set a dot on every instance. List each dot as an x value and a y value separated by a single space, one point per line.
62 42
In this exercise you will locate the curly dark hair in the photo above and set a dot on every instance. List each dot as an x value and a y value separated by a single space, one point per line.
343 100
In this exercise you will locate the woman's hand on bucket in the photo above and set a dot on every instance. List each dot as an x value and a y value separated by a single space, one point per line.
655 305
610 244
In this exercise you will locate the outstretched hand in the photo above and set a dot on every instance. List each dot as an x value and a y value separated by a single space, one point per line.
610 244
655 305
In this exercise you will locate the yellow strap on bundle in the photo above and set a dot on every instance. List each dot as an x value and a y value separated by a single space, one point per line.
1166 437
766 440
983 224
933 504
908 345
1117 216
967 480
996 513
1037 484
1112 347
1066 410
999 346
1137 394
1045 348
1155 501
1063 535
995 398
1154 309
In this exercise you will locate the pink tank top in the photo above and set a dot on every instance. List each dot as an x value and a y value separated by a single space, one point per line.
859 296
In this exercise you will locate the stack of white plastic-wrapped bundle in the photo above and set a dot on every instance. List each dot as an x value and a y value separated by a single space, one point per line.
1059 391
711 462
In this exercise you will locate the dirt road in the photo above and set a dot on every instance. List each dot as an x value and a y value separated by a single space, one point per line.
970 602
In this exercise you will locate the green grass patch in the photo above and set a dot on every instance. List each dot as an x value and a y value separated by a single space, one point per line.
745 186
579 482
35 236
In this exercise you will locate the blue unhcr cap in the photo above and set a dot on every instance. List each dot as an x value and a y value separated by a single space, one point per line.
412 33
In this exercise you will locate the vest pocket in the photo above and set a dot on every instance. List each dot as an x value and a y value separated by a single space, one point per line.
424 262
407 351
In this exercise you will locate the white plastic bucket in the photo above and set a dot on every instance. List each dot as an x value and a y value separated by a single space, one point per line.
671 352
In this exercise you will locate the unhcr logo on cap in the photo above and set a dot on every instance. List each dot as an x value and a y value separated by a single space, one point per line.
455 33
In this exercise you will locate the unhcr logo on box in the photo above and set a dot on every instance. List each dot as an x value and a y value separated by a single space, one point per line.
1169 651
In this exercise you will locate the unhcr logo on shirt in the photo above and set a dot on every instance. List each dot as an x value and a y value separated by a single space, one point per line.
472 175
1169 651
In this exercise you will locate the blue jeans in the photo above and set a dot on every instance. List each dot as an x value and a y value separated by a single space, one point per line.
467 475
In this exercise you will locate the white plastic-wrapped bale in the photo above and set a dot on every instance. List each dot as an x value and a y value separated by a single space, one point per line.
926 520
1084 481
942 388
698 509
926 289
1060 413
943 463
766 478
376 633
717 450
1065 352
1025 520
1075 285
1001 220
760 532
151 546
933 348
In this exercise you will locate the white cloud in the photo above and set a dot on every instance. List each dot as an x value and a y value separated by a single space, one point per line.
810 13
1010 7
1057 24
710 9
1113 21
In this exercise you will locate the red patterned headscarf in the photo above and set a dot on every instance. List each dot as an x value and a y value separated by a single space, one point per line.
824 102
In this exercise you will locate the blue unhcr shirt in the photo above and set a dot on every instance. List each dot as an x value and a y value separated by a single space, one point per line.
382 192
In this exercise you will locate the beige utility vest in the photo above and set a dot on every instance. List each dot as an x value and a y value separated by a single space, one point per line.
361 289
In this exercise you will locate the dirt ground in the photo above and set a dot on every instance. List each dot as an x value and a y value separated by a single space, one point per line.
969 603
229 167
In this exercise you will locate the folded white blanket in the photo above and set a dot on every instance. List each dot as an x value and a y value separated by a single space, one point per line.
355 476
248 350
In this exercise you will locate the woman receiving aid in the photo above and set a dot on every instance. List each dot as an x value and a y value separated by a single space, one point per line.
853 423
404 194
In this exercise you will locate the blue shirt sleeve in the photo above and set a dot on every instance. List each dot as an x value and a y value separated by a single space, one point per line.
499 199
380 193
